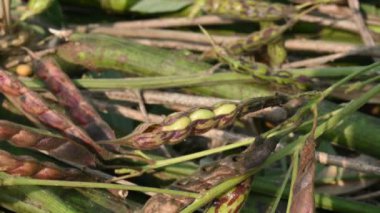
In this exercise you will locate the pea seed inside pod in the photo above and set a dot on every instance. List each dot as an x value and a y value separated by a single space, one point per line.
203 120
24 70
224 109
225 114
179 124
177 128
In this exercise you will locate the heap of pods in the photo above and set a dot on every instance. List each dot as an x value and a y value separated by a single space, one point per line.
178 126
38 111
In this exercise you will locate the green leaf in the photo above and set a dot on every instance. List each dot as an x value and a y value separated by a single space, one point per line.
47 10
36 7
160 6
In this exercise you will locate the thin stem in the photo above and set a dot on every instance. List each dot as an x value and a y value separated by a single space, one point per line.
162 163
6 180
345 162
272 208
189 80
328 91
173 22
151 82
348 109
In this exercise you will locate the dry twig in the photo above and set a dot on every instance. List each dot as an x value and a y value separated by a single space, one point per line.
348 163
327 58
173 22
175 35
358 18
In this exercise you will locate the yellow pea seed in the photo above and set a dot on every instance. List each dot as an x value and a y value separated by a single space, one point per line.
179 124
225 109
201 114
24 70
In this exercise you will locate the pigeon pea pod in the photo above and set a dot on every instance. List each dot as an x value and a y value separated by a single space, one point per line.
178 126
203 119
175 128
69 96
22 136
258 39
225 113
248 10
27 166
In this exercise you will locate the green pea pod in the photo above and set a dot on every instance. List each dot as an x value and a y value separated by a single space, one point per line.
100 52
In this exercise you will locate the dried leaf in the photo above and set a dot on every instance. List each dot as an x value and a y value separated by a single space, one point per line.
303 188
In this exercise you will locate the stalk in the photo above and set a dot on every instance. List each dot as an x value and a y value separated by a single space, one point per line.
161 82
151 82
